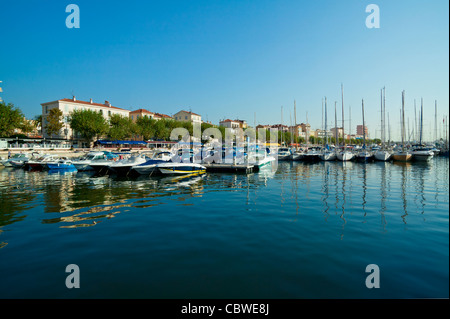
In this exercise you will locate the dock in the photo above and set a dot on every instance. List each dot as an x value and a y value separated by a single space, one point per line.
229 168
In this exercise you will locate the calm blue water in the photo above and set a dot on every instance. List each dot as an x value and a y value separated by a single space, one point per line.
303 231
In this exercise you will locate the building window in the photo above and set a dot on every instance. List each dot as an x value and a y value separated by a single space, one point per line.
109 113
46 109
185 117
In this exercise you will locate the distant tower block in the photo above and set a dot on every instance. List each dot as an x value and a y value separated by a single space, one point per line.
1 90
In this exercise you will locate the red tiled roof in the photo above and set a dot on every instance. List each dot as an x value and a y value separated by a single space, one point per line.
85 103
142 111
163 115
190 112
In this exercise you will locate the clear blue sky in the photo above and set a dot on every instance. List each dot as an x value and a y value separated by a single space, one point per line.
230 59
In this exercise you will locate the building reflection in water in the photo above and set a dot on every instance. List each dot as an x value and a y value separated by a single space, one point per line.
333 188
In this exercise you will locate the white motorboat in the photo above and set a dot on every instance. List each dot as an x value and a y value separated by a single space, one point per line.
41 162
83 164
422 154
18 160
123 167
149 167
284 154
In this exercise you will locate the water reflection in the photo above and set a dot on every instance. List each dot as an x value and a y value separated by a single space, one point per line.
346 190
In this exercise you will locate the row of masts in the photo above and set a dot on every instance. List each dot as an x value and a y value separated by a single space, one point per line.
417 131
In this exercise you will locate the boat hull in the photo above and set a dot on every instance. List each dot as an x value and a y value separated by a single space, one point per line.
181 168
402 157
328 157
82 166
297 157
145 169
101 168
344 156
56 166
36 166
364 159
17 164
382 156
121 170
311 158
422 157
284 157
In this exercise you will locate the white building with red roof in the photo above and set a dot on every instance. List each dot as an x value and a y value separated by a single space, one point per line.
67 106
185 116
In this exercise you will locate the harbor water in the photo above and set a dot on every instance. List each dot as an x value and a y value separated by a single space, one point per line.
300 231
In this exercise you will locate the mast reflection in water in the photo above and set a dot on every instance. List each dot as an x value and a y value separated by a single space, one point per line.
302 231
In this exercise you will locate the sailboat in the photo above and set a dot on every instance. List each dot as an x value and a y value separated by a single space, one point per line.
420 152
327 154
297 153
402 155
383 154
312 154
344 155
364 155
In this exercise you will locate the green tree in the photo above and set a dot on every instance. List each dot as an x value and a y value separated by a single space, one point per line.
88 123
121 127
162 130
145 126
54 121
37 122
27 126
11 118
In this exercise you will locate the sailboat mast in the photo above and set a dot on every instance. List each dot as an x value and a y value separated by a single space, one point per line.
382 135
435 121
336 135
290 127
364 126
403 121
326 135
389 131
343 131
282 132
384 116
421 122
416 130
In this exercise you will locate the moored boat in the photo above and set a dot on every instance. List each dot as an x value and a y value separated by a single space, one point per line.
284 154
123 167
149 167
382 155
83 164
402 156
181 168
422 154
364 156
312 156
345 155
41 162
61 164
